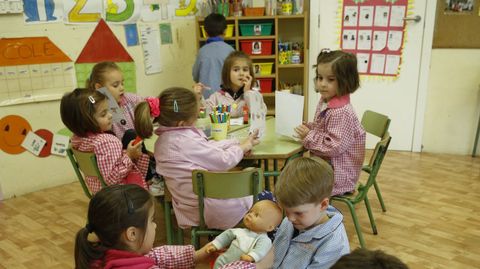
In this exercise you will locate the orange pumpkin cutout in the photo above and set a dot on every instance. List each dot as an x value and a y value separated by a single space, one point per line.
13 130
48 136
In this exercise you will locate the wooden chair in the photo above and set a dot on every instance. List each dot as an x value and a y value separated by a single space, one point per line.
86 162
375 124
362 189
223 185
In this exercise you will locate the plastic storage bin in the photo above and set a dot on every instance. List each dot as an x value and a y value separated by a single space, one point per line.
262 69
255 29
257 47
265 85
254 11
228 31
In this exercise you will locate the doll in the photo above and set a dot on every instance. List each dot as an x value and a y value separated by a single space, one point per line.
251 243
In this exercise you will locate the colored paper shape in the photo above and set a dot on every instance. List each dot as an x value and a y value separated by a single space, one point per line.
117 114
13 130
48 137
33 143
131 34
41 11
166 33
30 50
60 144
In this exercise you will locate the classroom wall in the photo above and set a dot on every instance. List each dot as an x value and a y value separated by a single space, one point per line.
25 172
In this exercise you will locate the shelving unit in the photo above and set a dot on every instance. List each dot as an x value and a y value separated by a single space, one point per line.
291 28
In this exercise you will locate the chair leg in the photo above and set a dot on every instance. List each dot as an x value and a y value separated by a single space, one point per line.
195 239
370 215
168 223
379 195
356 224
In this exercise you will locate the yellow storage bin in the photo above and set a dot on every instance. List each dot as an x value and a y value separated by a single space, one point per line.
228 31
262 69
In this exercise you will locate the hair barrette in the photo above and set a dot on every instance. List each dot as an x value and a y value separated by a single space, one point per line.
154 104
91 99
175 106
325 50
130 208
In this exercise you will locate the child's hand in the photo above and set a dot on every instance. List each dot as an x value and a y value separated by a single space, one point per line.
246 258
251 141
198 88
203 253
210 248
302 131
134 151
247 82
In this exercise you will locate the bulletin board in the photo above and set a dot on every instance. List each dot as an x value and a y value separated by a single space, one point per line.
457 29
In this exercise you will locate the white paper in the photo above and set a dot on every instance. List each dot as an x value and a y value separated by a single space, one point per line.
379 40
350 16
396 18
381 16
117 115
391 66
349 39
366 16
364 40
377 64
150 40
394 40
33 143
60 144
288 112
236 121
258 113
362 62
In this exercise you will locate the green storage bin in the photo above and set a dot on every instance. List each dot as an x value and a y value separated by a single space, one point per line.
256 29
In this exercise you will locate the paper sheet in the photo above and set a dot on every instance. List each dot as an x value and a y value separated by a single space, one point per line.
258 114
60 144
150 39
117 115
288 112
33 143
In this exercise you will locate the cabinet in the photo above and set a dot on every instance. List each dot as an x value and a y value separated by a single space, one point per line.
256 35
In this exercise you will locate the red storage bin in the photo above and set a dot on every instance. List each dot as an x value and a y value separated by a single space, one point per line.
257 46
265 85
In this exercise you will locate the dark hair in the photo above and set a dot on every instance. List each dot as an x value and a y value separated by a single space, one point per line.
228 64
110 212
215 24
98 74
176 104
344 67
369 259
77 111
303 181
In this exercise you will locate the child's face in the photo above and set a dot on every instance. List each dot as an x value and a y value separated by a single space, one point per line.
239 74
262 217
306 216
326 82
149 233
114 83
103 116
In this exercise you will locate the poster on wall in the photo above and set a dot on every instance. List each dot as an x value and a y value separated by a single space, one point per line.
374 30
42 11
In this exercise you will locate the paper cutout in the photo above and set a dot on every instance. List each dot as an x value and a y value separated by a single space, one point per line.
288 112
349 39
150 40
117 115
378 62
60 144
184 10
131 34
397 15
391 66
166 33
394 40
41 11
33 143
126 11
366 16
13 130
362 62
30 50
350 16
364 40
150 13
258 114
48 137
379 40
381 16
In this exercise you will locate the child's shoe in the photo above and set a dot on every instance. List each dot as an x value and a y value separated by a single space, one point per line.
157 186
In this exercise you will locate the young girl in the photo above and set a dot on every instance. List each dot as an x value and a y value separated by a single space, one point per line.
87 115
181 148
336 134
237 78
120 232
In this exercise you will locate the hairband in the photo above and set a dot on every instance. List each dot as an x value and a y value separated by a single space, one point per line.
154 104
91 99
175 106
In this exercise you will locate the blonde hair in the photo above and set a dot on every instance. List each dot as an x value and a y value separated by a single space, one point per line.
98 74
176 104
304 181
228 64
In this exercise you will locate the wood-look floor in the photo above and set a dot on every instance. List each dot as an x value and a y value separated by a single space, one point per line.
432 218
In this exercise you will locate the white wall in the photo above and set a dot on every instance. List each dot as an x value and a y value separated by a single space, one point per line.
25 172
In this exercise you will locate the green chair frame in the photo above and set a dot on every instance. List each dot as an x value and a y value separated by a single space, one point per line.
86 163
223 185
375 124
362 189
173 238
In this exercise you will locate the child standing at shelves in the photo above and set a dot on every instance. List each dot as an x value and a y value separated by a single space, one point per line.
182 148
336 134
208 65
87 115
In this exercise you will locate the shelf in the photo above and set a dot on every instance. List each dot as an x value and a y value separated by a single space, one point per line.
225 39
243 18
299 16
291 65
256 37
262 57
266 76
270 94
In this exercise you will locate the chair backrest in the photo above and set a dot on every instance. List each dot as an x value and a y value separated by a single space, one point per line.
226 185
376 161
86 162
375 123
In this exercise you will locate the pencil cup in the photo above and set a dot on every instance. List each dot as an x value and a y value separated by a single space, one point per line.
219 131
205 125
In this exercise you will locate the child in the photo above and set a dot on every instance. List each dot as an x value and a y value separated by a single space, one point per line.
87 115
122 220
249 244
336 134
369 259
237 77
182 148
208 65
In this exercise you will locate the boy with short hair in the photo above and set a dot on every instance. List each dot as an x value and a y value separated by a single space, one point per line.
369 259
208 65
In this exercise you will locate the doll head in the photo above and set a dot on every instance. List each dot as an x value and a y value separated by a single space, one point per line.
263 217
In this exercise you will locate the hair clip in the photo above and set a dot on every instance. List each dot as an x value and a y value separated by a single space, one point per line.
325 50
154 105
130 208
91 99
175 106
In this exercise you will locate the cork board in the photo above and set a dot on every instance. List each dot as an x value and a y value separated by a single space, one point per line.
457 26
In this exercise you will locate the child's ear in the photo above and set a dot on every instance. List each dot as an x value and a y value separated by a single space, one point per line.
324 204
131 234
97 86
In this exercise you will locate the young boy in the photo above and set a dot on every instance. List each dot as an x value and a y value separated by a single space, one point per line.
208 65
369 259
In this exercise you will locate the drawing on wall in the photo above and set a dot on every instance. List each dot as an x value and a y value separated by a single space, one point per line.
377 39
41 11
459 6
102 46
13 130
33 69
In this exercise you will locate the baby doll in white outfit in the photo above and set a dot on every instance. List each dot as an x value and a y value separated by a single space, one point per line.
251 243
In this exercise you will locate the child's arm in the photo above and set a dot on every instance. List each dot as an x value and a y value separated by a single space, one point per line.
267 261
113 163
260 250
173 256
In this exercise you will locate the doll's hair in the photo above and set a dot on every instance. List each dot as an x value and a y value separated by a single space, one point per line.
344 67
111 212
215 24
98 74
228 64
304 181
176 104
369 259
77 110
